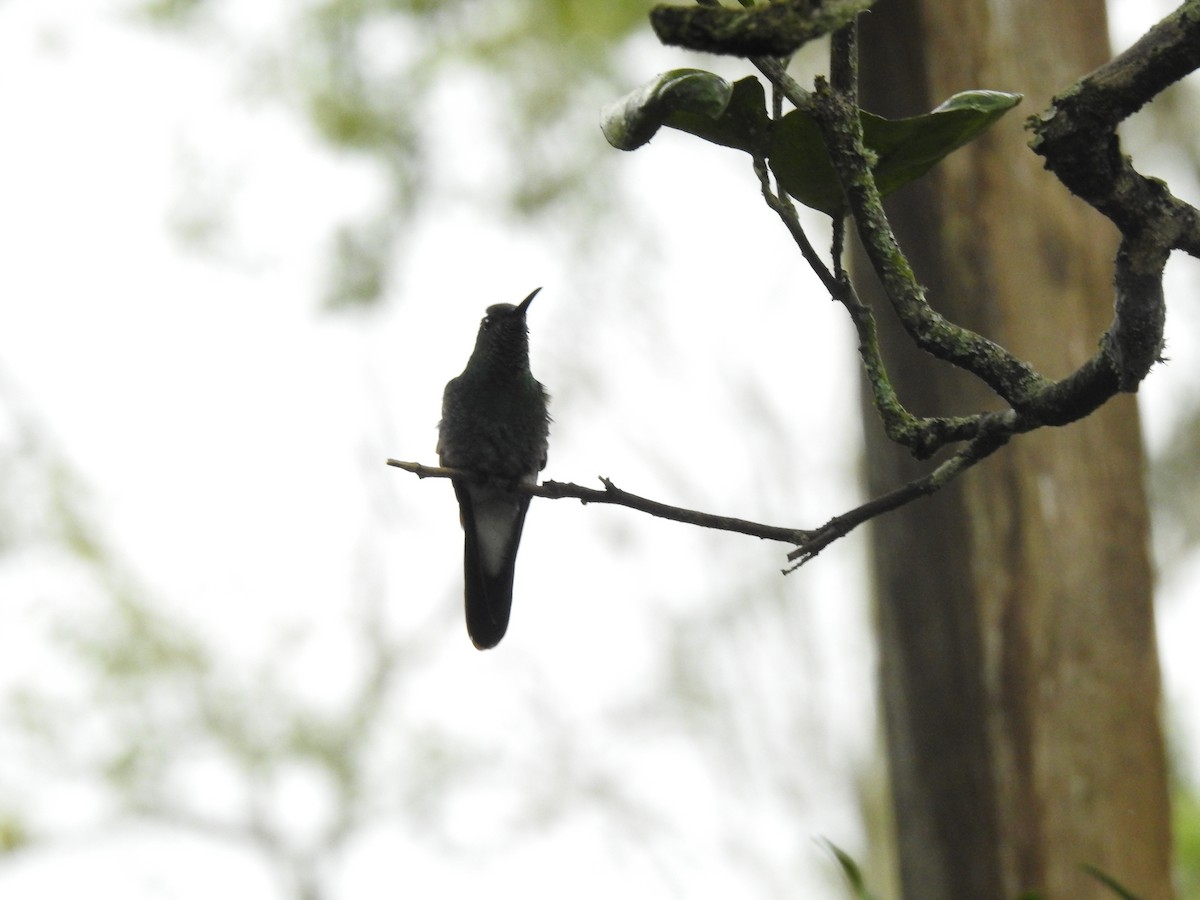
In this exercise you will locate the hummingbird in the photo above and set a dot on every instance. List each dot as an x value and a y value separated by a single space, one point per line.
495 426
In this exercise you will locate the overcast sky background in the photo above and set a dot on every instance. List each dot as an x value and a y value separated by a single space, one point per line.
231 436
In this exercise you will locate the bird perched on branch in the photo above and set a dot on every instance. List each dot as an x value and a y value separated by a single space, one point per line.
495 425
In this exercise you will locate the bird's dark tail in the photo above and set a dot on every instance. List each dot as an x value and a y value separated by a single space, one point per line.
492 522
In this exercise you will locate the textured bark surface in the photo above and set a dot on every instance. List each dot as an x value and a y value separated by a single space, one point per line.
1018 657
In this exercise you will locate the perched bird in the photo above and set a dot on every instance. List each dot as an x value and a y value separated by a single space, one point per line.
494 425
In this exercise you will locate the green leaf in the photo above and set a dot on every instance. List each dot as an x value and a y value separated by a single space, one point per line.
801 164
735 115
908 148
850 870
630 122
743 124
905 149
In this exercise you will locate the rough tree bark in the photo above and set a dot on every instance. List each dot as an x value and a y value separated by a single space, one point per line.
1019 666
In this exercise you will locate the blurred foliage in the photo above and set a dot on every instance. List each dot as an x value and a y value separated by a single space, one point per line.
370 77
159 701
13 833
173 12
41 497
1165 139
1166 136
854 876
143 706
1185 806
1175 488
858 887
148 702
1169 126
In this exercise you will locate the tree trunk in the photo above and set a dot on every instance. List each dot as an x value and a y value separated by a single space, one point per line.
1018 660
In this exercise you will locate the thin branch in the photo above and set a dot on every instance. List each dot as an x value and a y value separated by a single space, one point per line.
776 73
779 202
843 76
1008 376
843 61
994 435
923 436
1078 139
613 495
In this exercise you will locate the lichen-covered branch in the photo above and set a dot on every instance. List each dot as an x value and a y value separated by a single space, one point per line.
779 28
1010 377
923 436
1078 139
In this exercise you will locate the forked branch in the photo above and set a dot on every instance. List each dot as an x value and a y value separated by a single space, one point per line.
1078 139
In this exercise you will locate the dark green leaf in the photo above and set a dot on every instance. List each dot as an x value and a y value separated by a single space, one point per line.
735 115
905 148
801 164
630 122
743 124
908 148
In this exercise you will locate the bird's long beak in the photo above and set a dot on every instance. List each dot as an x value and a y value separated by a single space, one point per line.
524 305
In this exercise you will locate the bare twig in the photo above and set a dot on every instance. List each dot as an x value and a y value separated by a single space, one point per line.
809 542
992 436
611 494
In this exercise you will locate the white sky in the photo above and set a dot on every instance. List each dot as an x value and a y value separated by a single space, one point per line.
233 437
